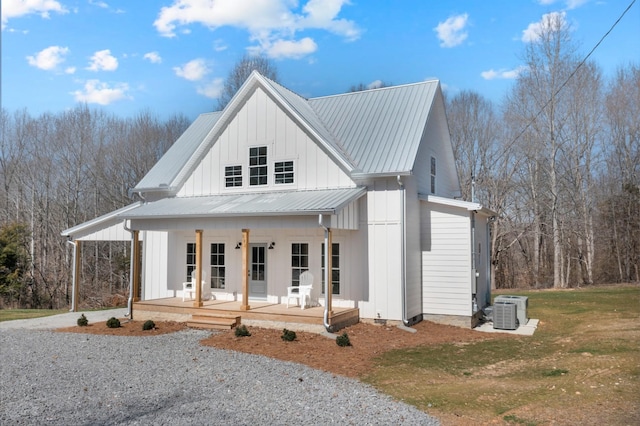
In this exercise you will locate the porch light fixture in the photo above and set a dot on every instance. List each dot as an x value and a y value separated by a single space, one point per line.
238 245
272 245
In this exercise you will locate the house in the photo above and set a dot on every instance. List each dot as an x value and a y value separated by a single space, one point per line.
359 188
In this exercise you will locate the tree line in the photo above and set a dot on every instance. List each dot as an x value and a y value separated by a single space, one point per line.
558 160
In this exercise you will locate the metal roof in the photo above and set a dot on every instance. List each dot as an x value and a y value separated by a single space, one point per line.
99 222
329 201
163 173
381 129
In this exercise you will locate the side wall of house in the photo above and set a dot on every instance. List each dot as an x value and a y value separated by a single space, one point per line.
384 235
446 260
260 122
483 286
436 143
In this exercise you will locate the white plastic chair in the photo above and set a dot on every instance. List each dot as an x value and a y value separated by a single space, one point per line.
301 292
189 286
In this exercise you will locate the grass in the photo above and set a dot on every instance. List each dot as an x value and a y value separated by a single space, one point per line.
14 314
582 365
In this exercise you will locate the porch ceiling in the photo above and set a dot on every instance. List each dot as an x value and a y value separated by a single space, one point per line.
329 201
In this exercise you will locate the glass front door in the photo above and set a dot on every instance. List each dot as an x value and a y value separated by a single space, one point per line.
258 271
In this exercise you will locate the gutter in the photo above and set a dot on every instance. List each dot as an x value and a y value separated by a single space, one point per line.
325 317
403 273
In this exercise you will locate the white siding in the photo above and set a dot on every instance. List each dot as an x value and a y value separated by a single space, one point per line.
384 233
436 143
154 265
446 260
260 122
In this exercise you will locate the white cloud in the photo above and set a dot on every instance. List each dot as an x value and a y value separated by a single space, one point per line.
49 58
290 48
102 60
97 92
268 22
193 70
376 84
452 31
532 32
212 89
502 73
16 8
153 57
70 70
571 4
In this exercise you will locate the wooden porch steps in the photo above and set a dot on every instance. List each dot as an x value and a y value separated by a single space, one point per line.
218 322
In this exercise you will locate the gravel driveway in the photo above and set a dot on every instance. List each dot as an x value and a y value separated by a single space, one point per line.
80 379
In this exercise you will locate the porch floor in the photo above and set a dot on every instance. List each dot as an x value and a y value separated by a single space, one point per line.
275 313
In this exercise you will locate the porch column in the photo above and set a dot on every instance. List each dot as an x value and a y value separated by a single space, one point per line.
75 280
328 272
245 271
135 258
198 302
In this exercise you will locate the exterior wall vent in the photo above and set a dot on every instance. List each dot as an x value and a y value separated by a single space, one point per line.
505 316
521 301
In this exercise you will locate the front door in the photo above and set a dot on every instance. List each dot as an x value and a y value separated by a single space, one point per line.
258 271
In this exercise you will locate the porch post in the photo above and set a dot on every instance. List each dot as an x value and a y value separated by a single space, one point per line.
328 272
135 258
245 271
198 302
77 262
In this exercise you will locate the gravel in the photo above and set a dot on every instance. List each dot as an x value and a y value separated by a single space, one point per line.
82 379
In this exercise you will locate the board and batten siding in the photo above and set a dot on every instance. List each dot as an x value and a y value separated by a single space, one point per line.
446 260
260 122
155 251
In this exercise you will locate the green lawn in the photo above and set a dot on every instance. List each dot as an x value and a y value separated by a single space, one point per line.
14 314
581 366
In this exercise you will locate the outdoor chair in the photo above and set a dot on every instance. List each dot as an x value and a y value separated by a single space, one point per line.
301 292
189 286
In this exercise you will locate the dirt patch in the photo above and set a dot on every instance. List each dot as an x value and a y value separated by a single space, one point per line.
127 328
367 342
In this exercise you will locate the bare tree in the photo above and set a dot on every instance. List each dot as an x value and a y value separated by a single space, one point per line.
241 71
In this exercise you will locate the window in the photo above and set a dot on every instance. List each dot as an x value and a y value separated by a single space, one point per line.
283 172
217 265
433 175
191 259
335 268
258 165
299 261
233 176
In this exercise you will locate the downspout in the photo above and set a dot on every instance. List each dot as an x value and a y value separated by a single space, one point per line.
403 268
325 317
130 301
474 272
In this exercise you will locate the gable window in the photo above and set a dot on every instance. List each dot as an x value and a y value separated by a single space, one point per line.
191 259
233 176
258 165
283 172
433 175
335 268
217 265
299 261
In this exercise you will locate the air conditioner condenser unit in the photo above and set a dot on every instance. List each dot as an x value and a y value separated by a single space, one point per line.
505 315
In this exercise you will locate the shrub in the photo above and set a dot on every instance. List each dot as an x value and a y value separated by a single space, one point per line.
343 340
288 335
148 325
83 321
113 322
242 331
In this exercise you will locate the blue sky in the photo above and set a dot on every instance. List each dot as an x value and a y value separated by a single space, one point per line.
171 56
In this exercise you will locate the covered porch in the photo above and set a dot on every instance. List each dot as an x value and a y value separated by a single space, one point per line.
227 314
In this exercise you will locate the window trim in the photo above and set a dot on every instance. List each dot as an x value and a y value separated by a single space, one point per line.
190 267
333 269
262 162
236 178
222 266
433 174
295 282
285 173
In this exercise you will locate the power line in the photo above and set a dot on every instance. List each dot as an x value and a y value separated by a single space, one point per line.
571 75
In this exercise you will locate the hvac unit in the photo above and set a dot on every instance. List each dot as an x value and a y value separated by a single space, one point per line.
505 315
521 301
